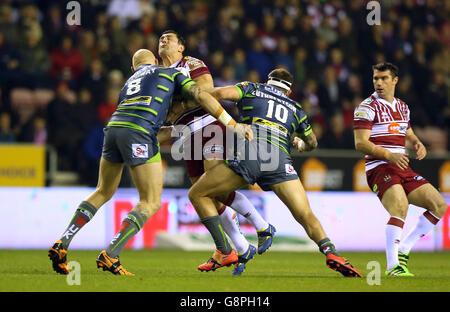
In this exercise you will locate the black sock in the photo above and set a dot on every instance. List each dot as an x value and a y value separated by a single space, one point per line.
215 228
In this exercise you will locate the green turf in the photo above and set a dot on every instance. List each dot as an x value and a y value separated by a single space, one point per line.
176 271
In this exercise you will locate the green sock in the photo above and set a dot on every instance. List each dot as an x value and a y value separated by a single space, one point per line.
215 228
132 224
326 247
84 213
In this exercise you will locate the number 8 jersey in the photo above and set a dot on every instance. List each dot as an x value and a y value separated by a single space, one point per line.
146 97
275 116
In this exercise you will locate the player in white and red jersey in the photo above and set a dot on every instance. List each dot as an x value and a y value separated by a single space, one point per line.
382 129
211 150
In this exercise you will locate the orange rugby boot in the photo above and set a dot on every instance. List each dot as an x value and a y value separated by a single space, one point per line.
58 256
219 260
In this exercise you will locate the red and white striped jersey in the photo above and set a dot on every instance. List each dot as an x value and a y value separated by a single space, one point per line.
388 122
193 68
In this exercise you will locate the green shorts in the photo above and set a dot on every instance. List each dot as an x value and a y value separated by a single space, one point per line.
129 146
262 163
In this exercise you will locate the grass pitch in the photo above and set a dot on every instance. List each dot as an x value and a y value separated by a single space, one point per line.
176 271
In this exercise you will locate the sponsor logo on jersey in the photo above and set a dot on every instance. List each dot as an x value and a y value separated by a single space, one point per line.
394 128
289 169
362 112
418 178
140 150
194 63
270 124
213 149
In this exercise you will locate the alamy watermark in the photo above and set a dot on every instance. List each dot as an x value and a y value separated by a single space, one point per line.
74 16
213 142
74 277
374 275
374 16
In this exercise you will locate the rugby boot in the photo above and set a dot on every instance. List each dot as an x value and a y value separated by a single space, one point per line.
398 271
58 256
111 264
265 238
341 265
219 260
403 259
243 259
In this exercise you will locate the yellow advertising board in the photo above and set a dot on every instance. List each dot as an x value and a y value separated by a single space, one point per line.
22 165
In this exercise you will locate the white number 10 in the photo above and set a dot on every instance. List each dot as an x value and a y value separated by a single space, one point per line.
281 112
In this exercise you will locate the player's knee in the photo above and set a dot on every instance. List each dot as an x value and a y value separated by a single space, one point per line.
438 207
148 209
193 195
106 192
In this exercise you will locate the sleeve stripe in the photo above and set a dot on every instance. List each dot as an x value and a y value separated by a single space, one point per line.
240 92
188 84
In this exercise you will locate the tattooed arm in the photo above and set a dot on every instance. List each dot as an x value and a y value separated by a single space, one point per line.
306 143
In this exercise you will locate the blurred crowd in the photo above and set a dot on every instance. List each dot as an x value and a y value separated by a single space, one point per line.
60 83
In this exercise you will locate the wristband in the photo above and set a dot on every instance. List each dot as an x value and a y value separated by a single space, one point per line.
222 116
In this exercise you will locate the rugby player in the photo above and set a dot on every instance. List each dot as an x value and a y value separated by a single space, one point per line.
275 118
381 130
131 139
211 149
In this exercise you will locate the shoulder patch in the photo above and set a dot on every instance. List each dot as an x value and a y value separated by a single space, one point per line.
367 101
194 63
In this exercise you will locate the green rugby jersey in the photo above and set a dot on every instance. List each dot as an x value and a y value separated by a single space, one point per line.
146 98
275 116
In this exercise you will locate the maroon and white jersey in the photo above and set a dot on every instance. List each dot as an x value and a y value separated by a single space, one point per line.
193 68
388 122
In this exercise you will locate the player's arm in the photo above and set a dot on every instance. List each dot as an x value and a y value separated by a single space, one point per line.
305 143
363 144
213 107
420 149
232 93
205 82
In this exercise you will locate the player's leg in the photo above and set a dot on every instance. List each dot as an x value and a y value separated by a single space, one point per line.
428 197
108 181
395 202
293 195
228 218
216 181
148 179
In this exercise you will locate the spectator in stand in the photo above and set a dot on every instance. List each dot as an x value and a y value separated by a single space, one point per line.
108 107
34 59
239 64
337 136
67 62
283 56
300 67
94 79
6 133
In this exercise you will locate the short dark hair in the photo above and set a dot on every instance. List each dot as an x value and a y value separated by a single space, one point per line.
387 66
180 38
283 74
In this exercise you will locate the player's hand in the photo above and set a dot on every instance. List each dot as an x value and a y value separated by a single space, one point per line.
243 130
400 160
421 151
299 144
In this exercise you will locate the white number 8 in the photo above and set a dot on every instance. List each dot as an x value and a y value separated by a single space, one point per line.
134 86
